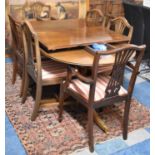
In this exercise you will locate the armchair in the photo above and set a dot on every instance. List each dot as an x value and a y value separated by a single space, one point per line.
100 90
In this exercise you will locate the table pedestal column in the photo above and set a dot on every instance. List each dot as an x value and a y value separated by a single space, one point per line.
100 122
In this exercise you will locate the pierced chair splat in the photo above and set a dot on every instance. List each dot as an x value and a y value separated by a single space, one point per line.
121 26
94 17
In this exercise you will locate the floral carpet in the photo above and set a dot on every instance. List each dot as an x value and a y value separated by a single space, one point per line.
46 136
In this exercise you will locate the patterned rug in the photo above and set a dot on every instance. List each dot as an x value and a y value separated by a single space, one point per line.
46 136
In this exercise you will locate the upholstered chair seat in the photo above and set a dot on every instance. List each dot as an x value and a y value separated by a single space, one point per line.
52 70
82 88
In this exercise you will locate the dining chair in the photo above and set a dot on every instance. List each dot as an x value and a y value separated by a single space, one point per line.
106 19
18 50
43 72
120 25
100 90
40 9
94 17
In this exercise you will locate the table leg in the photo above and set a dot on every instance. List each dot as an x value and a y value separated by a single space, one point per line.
97 119
100 122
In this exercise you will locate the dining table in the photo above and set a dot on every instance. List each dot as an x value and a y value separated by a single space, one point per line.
59 34
68 41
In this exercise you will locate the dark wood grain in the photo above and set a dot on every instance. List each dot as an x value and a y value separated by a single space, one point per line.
79 57
58 34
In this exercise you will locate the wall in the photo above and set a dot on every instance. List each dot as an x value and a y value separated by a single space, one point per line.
73 8
113 7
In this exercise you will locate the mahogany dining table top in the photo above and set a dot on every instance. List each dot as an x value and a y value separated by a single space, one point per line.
59 34
79 57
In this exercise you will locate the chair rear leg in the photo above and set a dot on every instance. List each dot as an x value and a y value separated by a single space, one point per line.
14 70
37 102
25 87
90 129
22 83
126 119
61 101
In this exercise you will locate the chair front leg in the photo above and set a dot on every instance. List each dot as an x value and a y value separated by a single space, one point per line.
90 129
22 82
126 118
37 102
25 86
61 100
15 68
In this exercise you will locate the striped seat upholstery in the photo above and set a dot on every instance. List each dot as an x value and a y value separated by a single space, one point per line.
105 69
52 70
83 89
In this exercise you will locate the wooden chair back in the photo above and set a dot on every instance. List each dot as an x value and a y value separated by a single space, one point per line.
94 17
121 26
38 7
106 20
122 56
16 31
13 29
32 52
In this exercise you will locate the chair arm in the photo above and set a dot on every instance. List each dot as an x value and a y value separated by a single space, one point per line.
81 77
131 66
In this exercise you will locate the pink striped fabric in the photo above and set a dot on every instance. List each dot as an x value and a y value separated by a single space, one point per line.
52 69
83 88
104 69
